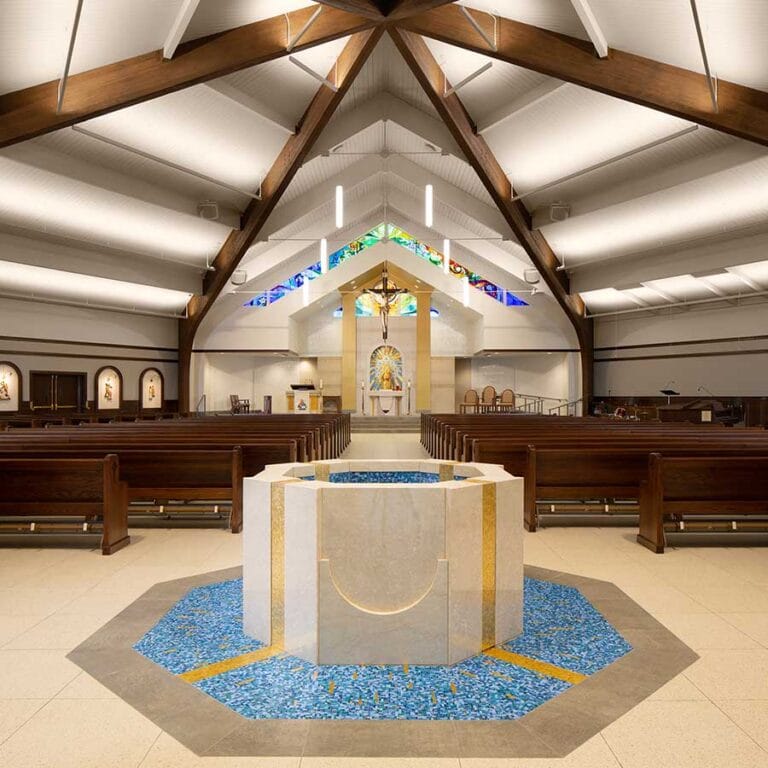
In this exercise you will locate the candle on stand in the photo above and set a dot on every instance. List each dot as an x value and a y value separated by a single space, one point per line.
321 383
409 383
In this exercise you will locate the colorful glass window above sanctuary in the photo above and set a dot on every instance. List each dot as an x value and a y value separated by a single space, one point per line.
378 234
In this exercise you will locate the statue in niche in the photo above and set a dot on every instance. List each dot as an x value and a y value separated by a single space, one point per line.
151 390
108 390
5 391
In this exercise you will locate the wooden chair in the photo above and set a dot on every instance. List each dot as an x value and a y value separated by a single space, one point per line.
488 399
471 401
239 405
506 401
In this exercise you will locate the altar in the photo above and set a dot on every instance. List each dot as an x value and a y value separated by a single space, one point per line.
385 401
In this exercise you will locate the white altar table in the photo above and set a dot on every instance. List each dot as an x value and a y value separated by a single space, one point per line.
385 401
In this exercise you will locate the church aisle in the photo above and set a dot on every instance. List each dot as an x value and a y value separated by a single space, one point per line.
385 445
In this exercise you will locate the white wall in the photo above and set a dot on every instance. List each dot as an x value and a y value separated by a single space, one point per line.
443 384
544 374
711 348
46 337
252 377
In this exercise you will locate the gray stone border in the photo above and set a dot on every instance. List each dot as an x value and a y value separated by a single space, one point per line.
554 729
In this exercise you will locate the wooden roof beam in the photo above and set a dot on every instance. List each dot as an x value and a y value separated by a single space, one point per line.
289 161
742 111
391 10
32 111
479 155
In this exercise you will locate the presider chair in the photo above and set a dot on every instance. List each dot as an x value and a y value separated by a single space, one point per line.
471 401
488 399
238 405
507 401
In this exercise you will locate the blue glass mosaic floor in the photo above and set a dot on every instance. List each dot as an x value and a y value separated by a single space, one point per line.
561 629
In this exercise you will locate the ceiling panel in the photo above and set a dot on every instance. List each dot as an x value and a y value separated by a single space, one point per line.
41 282
735 34
37 200
214 16
34 36
201 130
731 200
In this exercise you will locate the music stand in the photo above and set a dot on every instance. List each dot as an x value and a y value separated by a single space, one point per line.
668 393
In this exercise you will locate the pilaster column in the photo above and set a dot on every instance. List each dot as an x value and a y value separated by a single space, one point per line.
423 351
348 353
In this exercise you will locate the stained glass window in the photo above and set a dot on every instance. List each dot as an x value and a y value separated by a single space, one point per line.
371 238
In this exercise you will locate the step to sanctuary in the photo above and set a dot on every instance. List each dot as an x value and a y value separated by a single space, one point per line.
386 423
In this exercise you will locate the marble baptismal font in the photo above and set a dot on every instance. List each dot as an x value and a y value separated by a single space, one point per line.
383 562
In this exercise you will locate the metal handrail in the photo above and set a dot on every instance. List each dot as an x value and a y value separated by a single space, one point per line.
570 406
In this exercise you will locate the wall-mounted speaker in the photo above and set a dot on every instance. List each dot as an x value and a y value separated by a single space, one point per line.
209 210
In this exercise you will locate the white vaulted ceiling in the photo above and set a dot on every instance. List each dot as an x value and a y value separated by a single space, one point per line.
683 220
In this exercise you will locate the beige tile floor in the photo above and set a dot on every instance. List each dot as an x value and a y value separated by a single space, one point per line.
715 599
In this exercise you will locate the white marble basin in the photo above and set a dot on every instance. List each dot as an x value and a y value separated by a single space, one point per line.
383 572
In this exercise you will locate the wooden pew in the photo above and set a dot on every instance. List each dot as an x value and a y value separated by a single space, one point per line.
606 469
680 487
178 471
159 475
68 487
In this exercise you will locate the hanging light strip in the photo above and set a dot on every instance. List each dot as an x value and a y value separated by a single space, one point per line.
323 256
446 256
428 205
339 206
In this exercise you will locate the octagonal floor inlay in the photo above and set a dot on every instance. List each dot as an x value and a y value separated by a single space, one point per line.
588 654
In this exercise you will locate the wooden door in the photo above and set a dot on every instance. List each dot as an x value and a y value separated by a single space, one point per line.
41 391
57 391
70 388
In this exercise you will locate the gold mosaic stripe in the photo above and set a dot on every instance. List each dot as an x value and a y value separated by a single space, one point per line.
278 564
489 563
446 472
542 667
220 667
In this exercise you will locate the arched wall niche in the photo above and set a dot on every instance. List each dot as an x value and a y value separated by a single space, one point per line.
10 387
385 371
151 390
108 389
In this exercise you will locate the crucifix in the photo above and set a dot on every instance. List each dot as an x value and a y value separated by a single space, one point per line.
385 297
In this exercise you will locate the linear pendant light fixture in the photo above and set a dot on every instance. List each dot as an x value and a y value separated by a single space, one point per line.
428 205
339 206
323 256
465 287
446 256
